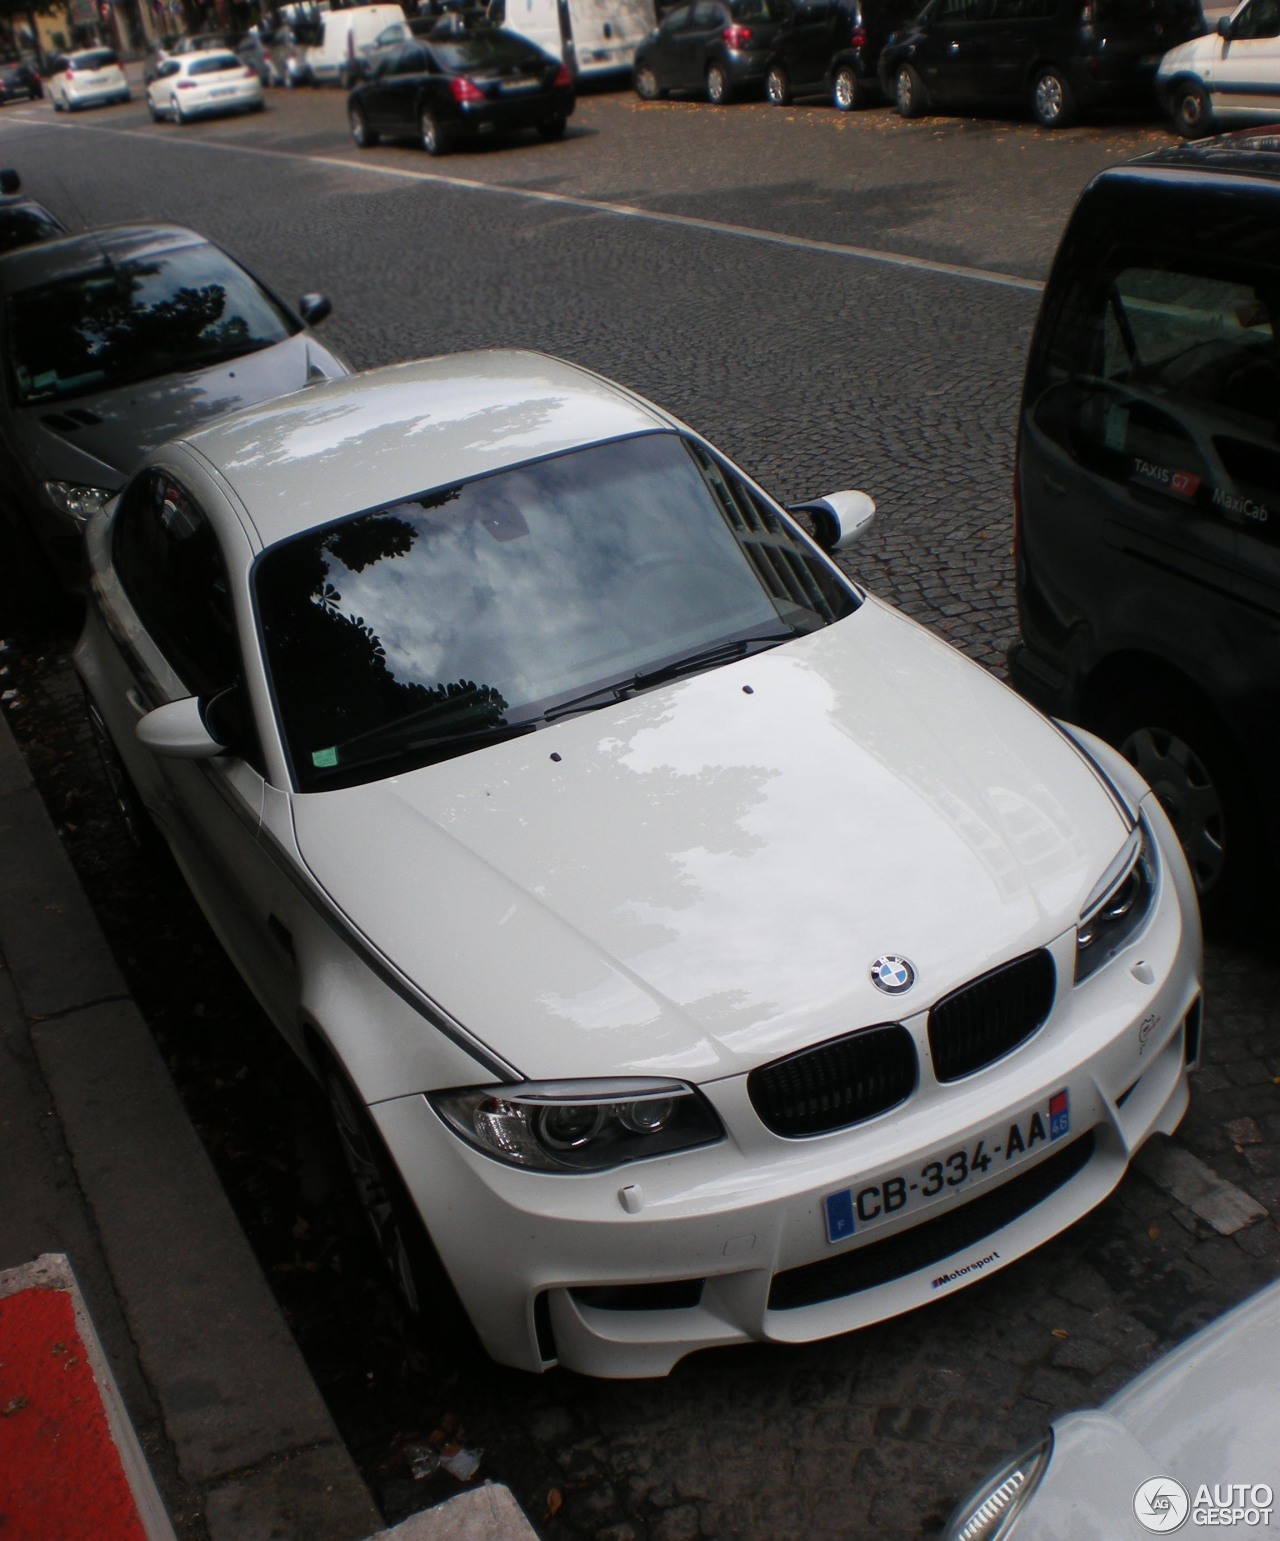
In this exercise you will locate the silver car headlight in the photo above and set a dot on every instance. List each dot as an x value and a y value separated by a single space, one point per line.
989 1512
579 1126
1118 907
77 502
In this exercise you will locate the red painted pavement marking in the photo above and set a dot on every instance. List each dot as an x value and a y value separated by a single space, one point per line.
60 1472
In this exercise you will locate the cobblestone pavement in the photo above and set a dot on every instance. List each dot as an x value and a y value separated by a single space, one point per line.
816 370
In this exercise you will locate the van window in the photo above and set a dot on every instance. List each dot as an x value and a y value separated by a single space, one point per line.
1175 389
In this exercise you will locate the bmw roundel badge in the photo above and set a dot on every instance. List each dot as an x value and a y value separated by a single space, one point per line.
892 974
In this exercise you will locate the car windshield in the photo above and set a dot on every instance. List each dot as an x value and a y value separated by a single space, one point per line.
489 49
133 320
23 223
428 627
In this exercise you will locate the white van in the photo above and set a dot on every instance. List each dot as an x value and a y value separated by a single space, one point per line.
347 38
593 37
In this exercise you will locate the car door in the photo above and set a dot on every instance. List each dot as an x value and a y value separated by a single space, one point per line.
1244 79
810 39
707 22
393 99
665 51
164 629
950 49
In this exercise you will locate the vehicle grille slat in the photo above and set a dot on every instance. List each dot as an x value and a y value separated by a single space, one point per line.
836 1084
989 1017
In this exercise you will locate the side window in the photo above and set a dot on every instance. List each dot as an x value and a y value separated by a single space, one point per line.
677 20
1261 19
169 564
1175 390
705 15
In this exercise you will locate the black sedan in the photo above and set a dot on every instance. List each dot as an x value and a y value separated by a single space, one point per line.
461 83
19 82
719 47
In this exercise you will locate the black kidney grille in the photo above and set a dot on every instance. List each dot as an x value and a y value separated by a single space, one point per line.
988 1018
837 1084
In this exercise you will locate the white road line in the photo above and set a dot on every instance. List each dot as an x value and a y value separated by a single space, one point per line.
602 206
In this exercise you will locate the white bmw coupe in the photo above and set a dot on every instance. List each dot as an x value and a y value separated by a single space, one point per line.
693 949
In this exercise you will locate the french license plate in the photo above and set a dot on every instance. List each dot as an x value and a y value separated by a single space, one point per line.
223 91
518 87
1007 1144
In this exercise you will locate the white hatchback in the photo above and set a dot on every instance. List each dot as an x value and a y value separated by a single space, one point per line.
201 85
1230 76
693 949
90 78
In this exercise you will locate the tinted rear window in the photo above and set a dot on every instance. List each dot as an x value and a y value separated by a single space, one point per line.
758 10
99 59
212 64
485 50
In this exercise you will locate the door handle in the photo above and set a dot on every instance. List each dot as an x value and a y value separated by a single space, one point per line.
136 704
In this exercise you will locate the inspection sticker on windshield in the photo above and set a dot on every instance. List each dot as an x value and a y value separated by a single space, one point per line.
852 1210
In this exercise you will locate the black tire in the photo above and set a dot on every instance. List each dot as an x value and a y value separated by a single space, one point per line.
1189 111
432 139
1053 102
646 84
719 87
418 1277
553 129
777 87
909 95
364 136
847 91
1183 753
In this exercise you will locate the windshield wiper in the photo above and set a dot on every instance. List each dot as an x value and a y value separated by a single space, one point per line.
442 746
645 679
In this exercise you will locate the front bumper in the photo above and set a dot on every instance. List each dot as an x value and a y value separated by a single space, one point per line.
622 1273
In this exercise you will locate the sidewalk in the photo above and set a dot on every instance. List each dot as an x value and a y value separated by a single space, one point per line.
100 1162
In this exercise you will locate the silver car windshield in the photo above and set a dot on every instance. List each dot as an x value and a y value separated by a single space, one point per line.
430 627
125 321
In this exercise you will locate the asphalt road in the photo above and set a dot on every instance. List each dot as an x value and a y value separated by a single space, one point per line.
836 301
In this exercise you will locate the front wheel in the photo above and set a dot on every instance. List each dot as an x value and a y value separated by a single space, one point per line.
1182 754
908 92
847 90
1189 108
777 88
364 136
646 84
1053 103
432 138
719 91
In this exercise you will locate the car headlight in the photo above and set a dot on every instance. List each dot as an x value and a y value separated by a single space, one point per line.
1118 906
77 502
579 1126
989 1512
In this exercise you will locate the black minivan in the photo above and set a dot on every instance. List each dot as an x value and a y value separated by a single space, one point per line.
1057 57
1148 493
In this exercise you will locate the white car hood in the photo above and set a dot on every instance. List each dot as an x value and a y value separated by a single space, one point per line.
696 881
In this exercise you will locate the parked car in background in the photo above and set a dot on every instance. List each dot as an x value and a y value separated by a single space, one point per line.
117 338
832 48
22 219
1196 1436
91 77
19 81
635 884
460 83
254 51
595 38
1055 58
203 85
1148 494
347 38
1230 76
718 47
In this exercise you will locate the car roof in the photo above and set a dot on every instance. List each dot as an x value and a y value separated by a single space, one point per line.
334 449
1249 152
50 260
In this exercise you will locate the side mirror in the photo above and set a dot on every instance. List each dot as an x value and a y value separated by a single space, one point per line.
177 729
1224 27
840 519
10 181
313 308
